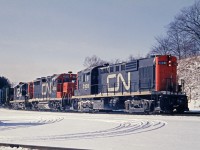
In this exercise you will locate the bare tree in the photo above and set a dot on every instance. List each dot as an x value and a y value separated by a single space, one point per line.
93 61
179 42
183 34
189 20
162 47
187 26
115 61
182 44
131 58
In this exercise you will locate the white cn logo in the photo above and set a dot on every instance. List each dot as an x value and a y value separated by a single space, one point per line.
19 93
119 78
47 88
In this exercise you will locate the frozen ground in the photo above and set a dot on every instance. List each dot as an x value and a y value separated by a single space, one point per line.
100 131
194 105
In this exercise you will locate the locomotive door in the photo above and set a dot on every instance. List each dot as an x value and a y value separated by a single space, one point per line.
94 81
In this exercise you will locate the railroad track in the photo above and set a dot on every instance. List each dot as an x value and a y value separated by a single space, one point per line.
187 113
33 147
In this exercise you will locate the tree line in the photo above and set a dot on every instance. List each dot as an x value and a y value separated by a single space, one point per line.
4 82
4 90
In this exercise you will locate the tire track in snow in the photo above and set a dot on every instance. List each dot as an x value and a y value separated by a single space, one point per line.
127 127
123 129
9 125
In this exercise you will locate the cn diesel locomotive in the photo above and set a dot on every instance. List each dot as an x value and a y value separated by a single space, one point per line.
142 86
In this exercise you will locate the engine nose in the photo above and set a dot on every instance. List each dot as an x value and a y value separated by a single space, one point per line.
166 73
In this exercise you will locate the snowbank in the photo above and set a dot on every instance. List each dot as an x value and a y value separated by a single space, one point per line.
189 71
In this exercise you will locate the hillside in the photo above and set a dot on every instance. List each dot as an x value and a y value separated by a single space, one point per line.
189 71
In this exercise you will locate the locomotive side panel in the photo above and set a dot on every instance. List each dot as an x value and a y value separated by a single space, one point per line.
69 85
115 79
59 81
84 83
138 75
146 74
30 90
45 87
37 88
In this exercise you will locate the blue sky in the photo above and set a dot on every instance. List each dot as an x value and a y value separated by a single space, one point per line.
42 37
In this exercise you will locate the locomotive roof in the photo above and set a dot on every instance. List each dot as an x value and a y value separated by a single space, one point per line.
54 76
114 64
20 84
89 69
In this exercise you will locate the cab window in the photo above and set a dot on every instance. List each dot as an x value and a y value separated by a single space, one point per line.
162 62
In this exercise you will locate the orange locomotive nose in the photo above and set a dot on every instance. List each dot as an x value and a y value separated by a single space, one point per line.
166 73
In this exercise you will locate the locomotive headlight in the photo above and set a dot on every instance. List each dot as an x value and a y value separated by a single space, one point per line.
170 63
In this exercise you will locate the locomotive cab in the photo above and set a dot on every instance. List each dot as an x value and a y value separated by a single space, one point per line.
88 81
20 91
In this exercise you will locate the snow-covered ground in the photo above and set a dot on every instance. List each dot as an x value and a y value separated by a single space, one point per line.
100 131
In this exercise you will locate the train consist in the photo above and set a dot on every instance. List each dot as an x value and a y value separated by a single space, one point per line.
143 85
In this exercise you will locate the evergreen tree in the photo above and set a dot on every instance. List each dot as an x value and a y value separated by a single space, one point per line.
4 82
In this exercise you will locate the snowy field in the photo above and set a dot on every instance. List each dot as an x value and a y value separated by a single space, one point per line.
194 105
100 131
